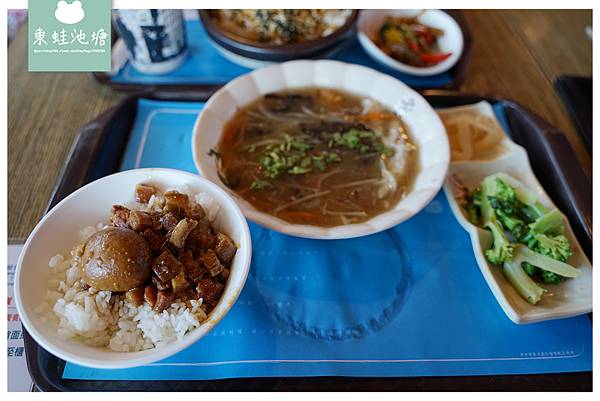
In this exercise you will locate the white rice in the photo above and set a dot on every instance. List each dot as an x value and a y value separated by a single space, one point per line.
103 319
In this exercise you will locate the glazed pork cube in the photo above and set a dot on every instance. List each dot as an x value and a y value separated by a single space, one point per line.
166 266
160 285
223 276
225 248
175 201
181 232
119 215
180 283
164 299
212 262
167 246
195 212
150 295
156 223
169 221
140 221
153 238
201 238
135 296
204 225
192 266
143 193
210 291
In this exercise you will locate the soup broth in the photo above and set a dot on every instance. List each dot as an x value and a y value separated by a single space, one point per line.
317 156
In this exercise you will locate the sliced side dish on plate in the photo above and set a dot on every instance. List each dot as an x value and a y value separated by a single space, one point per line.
145 279
410 41
474 132
524 246
416 42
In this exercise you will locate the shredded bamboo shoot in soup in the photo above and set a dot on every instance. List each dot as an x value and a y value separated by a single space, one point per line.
317 156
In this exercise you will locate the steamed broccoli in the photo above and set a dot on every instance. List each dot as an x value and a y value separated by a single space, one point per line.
551 278
502 204
557 247
539 238
503 200
532 212
513 224
502 250
550 222
529 269
524 285
502 196
524 254
516 274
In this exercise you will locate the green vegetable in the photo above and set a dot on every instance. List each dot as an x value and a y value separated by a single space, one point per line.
524 285
333 158
552 271
259 184
502 249
513 224
551 278
540 239
363 141
532 212
502 196
498 205
546 263
548 223
557 247
529 268
294 156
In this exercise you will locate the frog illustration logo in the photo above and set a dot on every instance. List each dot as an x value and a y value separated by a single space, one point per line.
69 13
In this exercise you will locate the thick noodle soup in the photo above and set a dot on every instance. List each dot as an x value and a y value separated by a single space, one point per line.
317 156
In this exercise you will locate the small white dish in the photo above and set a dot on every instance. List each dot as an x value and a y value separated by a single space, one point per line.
572 297
420 119
58 232
369 22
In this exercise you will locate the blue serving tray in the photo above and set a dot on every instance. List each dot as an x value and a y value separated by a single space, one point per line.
409 301
205 66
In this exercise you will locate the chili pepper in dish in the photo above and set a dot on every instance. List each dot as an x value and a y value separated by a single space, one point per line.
410 42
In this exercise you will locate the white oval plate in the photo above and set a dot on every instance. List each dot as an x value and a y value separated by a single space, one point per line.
58 232
569 298
369 21
420 119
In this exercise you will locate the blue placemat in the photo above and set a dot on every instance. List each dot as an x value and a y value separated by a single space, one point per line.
205 65
406 302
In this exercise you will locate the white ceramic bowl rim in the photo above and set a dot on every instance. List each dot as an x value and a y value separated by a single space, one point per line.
138 358
390 91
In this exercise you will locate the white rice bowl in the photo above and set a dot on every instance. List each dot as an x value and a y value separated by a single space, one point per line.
95 328
103 319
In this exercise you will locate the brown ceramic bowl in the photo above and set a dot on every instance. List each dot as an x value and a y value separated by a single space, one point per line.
276 53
